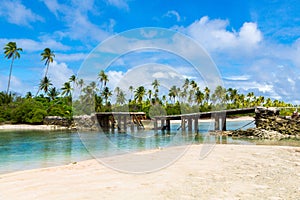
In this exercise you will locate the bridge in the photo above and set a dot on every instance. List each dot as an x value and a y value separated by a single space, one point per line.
192 119
121 120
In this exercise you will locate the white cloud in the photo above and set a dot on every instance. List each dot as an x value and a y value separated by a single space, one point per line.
237 78
32 45
70 57
59 73
16 13
121 4
215 36
172 13
76 18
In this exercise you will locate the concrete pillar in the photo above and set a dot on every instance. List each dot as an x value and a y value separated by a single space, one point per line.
119 123
168 124
125 123
183 123
190 126
155 123
196 124
223 123
162 123
217 122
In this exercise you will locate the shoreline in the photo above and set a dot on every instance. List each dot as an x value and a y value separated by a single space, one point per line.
229 171
24 127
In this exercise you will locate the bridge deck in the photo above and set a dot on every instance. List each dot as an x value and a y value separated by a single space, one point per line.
208 114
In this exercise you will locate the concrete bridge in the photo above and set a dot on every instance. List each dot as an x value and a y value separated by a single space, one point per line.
121 120
191 119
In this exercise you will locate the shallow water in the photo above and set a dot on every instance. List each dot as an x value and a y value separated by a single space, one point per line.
20 150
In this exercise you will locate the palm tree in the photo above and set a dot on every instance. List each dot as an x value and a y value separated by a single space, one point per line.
45 84
28 95
155 85
106 93
139 94
103 78
66 89
207 94
199 97
131 91
73 80
11 51
121 99
48 56
173 92
53 93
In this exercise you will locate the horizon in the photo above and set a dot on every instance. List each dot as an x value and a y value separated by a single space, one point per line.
255 45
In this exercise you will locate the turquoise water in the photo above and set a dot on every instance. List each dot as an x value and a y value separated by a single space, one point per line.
21 150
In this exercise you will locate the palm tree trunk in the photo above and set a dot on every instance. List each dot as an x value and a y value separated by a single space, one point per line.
9 77
47 70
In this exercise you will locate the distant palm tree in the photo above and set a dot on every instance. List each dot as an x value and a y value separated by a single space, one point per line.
73 79
28 95
11 51
53 93
131 91
103 78
155 85
48 56
139 94
45 84
199 97
173 92
106 93
121 99
66 89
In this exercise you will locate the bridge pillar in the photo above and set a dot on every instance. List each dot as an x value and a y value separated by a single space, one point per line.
183 123
124 123
162 123
190 126
119 122
196 124
155 123
223 123
168 124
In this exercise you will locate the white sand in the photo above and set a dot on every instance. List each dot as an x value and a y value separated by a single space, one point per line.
228 172
31 127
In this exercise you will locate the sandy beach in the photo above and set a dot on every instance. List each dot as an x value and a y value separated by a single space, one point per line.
31 127
228 172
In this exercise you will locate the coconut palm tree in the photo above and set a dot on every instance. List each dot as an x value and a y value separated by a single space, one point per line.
103 78
155 85
199 97
48 56
121 99
206 94
173 92
66 89
139 94
131 91
53 93
11 51
106 93
45 84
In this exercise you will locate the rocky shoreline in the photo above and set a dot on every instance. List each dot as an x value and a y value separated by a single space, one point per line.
269 125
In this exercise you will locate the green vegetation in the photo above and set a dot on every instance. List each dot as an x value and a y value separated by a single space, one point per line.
98 97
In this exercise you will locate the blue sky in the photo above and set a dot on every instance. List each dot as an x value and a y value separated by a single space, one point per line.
255 44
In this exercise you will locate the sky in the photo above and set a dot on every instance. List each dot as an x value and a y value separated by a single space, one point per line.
254 45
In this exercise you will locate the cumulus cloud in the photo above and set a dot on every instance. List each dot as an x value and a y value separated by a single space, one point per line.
16 13
59 73
215 36
78 24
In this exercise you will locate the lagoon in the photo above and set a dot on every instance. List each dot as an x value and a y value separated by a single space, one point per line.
22 150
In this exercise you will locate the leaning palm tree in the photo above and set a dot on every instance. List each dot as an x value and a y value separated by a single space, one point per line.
48 56
45 84
11 51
